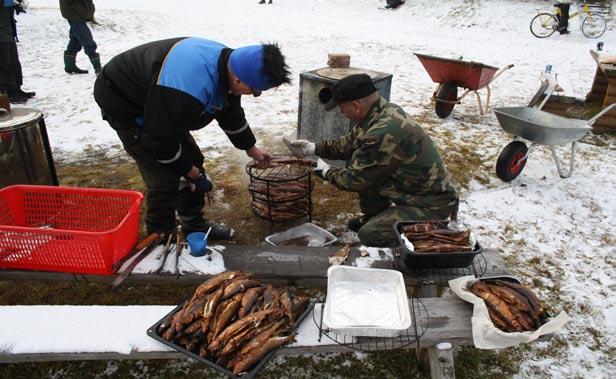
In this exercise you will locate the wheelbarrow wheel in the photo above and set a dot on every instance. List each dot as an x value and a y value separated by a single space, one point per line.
449 92
511 161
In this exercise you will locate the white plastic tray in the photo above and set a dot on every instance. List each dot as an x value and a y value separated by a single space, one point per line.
366 302
316 236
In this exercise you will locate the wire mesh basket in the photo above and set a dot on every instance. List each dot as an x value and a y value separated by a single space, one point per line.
410 336
281 190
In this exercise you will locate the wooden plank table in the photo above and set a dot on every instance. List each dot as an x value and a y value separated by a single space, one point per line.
301 266
448 318
447 322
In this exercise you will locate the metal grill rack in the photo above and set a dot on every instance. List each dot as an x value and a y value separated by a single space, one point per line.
478 267
281 191
373 344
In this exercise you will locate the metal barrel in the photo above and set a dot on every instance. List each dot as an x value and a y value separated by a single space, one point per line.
25 153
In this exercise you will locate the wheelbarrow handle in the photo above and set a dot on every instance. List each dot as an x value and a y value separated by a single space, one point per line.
598 115
500 71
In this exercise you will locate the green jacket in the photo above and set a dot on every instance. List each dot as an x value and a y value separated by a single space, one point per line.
77 10
391 155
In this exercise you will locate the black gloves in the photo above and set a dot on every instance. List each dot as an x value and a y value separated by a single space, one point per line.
19 7
201 184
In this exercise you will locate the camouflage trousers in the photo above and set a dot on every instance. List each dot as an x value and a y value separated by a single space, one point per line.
379 230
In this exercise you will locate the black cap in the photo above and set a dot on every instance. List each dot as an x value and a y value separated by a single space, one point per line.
353 87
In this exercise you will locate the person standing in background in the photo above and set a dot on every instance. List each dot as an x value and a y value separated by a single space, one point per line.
11 77
78 12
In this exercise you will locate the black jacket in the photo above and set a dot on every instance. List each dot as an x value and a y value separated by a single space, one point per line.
77 10
131 89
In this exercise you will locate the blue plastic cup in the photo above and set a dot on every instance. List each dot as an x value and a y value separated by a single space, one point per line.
197 243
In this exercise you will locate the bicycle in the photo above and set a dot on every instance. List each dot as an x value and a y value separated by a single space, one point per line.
545 24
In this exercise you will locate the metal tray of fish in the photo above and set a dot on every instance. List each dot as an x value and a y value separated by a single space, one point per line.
307 234
248 375
413 260
366 302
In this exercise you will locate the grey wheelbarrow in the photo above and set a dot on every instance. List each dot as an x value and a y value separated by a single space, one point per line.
540 128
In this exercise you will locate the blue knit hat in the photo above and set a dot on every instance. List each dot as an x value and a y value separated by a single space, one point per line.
247 63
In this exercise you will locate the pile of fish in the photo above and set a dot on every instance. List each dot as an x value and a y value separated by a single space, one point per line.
512 307
433 237
234 320
280 189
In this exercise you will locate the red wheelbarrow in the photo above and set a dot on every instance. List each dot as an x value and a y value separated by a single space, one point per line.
453 73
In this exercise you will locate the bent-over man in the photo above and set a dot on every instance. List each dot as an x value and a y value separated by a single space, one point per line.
153 95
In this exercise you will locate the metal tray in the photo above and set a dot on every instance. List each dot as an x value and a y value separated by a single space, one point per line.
248 375
366 302
414 260
316 236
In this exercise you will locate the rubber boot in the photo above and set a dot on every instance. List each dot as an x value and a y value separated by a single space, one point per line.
70 66
95 59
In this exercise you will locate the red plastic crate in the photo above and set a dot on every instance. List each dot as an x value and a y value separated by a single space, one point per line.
66 229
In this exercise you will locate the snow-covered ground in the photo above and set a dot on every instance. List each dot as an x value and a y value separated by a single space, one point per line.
558 235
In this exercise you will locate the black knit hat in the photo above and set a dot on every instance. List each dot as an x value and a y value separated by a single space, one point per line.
353 87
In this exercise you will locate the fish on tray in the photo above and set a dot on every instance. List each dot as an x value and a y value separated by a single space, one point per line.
234 321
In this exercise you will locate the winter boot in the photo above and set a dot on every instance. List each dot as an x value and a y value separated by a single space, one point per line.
70 66
21 92
17 98
96 62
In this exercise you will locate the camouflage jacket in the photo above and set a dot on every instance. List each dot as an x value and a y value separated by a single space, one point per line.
392 156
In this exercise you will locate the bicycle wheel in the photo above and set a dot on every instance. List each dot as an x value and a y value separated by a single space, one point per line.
594 26
543 25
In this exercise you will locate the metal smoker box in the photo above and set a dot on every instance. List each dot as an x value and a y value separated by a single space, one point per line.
315 121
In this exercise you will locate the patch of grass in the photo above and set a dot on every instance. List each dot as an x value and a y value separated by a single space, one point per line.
391 364
474 363
80 293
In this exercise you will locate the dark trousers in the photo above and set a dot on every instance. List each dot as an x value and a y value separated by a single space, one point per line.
163 196
10 68
80 36
563 18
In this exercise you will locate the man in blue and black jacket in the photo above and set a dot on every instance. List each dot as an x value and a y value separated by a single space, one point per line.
153 96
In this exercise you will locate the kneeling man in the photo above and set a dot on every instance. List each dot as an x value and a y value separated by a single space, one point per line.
394 166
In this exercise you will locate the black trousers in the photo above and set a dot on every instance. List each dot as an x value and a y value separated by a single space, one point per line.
163 196
563 18
10 68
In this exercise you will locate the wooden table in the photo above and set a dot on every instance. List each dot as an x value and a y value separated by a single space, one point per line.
301 266
447 323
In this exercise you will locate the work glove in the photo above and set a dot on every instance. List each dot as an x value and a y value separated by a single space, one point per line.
300 147
201 184
20 6
322 169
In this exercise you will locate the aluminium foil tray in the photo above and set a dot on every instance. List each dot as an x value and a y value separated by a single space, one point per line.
366 302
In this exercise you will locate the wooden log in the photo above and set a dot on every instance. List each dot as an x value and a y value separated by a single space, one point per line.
608 100
441 361
603 129
338 60
280 265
